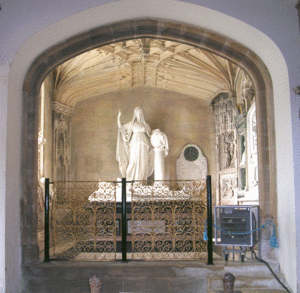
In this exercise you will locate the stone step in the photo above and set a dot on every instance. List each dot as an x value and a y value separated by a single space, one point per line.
115 278
248 268
146 277
245 282
258 291
249 277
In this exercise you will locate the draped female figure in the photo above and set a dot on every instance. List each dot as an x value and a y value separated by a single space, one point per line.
134 151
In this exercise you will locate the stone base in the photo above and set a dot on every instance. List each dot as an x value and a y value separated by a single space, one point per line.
146 277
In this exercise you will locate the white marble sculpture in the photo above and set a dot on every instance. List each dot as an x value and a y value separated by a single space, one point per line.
159 142
134 151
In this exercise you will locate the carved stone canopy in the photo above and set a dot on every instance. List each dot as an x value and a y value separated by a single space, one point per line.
143 62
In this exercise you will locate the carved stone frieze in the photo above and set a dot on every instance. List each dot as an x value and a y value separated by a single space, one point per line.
63 109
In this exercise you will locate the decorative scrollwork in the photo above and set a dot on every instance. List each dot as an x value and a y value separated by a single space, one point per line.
168 220
83 229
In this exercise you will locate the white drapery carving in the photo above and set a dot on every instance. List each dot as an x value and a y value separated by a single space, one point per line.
134 151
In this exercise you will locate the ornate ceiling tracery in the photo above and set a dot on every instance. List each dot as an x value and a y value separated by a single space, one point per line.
144 62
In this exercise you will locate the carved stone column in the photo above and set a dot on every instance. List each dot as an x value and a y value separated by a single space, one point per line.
244 138
224 108
61 141
252 156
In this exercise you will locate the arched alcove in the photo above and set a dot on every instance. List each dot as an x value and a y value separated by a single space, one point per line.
142 28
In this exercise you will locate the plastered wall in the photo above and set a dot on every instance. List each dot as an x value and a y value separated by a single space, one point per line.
182 118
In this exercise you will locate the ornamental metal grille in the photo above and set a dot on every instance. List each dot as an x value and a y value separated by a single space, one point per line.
165 220
83 229
168 219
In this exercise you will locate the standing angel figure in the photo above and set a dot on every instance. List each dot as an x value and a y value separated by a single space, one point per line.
134 151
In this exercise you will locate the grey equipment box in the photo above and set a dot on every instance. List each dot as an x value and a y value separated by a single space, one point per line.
236 219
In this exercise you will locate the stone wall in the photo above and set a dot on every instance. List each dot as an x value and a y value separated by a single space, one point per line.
94 129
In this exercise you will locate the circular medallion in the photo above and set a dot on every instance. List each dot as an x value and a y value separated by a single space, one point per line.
191 154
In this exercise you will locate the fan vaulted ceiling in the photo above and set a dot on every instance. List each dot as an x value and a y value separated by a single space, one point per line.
143 62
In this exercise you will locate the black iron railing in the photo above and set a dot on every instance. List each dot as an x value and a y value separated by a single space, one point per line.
191 218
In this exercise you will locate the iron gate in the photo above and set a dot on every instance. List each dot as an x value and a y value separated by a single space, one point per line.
83 228
165 220
168 223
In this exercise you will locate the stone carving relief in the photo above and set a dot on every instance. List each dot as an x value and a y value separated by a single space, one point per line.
247 95
236 146
248 160
252 148
62 142
228 183
229 150
225 111
144 48
41 142
63 109
247 145
241 121
191 164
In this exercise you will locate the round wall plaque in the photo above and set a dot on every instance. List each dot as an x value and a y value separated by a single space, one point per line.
191 154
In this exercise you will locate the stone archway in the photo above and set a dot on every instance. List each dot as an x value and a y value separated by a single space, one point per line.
204 39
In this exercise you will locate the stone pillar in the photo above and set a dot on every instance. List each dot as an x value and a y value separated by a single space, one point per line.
159 164
160 143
